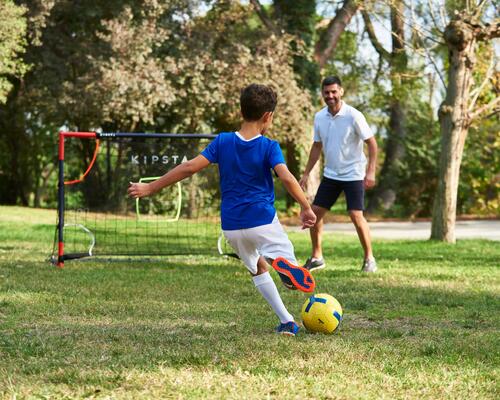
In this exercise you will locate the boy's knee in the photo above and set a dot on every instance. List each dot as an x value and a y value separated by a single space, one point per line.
262 266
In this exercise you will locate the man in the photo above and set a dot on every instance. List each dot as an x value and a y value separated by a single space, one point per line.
340 131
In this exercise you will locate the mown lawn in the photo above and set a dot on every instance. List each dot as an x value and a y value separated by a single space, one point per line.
425 327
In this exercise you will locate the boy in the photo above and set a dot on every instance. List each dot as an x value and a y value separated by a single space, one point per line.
248 216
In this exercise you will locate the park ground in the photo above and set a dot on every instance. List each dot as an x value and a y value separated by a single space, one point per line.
424 327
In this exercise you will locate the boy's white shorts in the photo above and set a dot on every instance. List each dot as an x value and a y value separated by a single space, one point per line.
266 240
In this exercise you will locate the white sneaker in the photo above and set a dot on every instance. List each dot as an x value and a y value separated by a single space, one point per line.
369 265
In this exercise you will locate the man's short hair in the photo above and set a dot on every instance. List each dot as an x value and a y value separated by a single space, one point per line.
331 80
255 100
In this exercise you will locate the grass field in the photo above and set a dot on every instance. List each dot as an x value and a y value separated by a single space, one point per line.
425 327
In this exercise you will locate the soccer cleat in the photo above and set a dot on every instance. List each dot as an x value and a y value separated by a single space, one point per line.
288 328
369 266
301 278
312 264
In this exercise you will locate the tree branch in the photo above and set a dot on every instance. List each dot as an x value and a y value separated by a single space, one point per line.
383 53
266 20
433 17
488 31
485 108
332 34
475 94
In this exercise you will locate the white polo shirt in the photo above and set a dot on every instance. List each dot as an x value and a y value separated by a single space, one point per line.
342 136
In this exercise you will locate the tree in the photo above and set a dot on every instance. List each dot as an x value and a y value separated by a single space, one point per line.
387 189
12 45
458 110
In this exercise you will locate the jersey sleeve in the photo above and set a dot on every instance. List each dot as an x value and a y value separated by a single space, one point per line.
211 152
361 126
275 155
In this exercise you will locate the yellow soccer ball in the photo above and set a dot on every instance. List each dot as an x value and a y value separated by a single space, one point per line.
321 313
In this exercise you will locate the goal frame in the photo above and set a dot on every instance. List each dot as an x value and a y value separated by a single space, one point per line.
61 206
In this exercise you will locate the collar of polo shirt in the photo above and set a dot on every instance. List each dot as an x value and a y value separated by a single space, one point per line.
340 113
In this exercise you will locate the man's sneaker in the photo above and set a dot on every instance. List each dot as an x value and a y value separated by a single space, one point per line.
288 328
301 278
314 263
286 281
369 265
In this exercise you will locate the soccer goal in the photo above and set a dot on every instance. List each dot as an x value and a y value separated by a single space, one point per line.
97 218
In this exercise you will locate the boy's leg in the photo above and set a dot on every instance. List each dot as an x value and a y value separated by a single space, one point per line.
267 288
244 244
274 245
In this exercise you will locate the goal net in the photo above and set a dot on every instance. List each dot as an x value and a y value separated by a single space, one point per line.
95 215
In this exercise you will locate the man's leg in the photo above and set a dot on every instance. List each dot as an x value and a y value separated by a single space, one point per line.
328 193
355 198
363 231
316 232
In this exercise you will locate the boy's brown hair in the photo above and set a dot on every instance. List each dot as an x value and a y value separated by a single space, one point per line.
255 100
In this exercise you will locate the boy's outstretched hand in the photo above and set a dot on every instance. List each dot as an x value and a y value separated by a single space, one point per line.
136 190
308 218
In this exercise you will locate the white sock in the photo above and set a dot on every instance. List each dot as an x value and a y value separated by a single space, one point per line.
267 288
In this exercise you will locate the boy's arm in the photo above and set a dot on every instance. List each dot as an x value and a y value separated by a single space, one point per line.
314 156
177 174
307 215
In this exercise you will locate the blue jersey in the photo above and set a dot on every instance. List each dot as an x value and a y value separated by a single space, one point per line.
246 182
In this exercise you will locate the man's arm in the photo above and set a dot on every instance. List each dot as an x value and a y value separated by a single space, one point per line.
307 215
314 156
177 174
372 162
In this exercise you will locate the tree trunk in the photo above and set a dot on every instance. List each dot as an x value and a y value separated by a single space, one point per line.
386 192
454 122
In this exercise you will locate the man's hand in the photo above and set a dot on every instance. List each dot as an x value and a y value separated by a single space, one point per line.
308 218
369 180
136 190
303 181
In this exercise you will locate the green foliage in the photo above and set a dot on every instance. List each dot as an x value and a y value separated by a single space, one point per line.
12 45
298 18
479 188
178 66
418 174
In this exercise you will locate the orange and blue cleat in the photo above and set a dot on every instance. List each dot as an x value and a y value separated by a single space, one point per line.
300 277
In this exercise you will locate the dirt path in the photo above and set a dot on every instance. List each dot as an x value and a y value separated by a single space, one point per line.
486 229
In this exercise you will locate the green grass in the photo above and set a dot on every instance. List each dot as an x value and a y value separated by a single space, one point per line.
425 327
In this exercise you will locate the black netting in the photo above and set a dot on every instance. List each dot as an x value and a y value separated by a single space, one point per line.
182 219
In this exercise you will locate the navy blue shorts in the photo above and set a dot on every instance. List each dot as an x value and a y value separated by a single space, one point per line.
329 191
